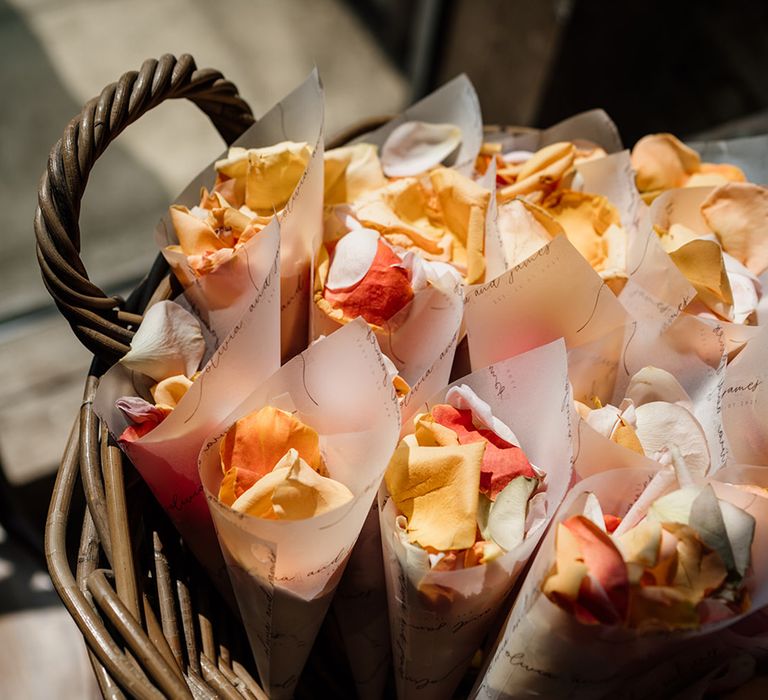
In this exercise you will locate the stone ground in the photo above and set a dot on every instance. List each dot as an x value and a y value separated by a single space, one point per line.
55 55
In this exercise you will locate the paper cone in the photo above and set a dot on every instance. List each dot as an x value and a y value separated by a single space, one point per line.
166 457
593 126
544 651
438 618
284 572
745 403
553 294
221 297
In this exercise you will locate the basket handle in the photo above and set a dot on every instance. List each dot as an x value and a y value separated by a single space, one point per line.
99 321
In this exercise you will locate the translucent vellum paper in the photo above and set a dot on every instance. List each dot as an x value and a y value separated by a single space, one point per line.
454 103
593 126
745 403
284 573
420 339
553 294
166 457
221 296
683 206
439 618
542 650
692 351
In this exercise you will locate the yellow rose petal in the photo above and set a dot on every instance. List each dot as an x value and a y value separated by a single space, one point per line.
436 489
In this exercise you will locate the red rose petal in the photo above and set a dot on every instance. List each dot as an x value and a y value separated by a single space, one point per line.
383 291
502 462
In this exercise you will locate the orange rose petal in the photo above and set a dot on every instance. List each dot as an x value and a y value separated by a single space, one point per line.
384 290
258 441
606 566
502 462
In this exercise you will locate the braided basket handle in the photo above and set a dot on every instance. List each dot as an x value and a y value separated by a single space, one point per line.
99 321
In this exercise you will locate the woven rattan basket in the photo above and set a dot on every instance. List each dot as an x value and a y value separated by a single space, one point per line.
153 624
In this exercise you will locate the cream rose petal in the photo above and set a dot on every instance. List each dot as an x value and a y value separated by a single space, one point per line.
352 258
416 147
168 342
661 424
506 520
655 384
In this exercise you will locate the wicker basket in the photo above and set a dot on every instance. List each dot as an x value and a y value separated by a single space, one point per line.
153 624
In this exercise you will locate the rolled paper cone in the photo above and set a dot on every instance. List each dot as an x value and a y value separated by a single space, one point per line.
438 619
284 572
455 103
593 126
745 402
542 650
552 294
683 206
166 457
360 609
221 298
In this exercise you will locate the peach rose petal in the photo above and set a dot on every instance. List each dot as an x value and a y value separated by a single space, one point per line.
256 442
663 162
738 214
292 491
351 171
609 601
701 261
436 489
195 235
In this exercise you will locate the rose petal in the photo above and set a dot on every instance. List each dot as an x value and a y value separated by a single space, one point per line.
463 398
256 442
292 491
506 520
352 258
436 489
653 384
738 214
168 342
661 424
501 462
416 147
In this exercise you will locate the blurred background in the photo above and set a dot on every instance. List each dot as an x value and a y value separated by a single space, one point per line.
695 69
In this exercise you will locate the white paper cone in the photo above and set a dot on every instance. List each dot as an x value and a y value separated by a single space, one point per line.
745 403
221 297
553 294
166 457
544 651
433 643
284 572
455 103
594 126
